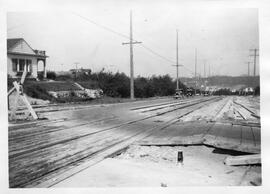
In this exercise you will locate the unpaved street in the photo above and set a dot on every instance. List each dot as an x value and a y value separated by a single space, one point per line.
47 152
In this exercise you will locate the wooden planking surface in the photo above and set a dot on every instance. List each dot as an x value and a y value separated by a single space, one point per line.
61 135
178 133
61 150
34 164
221 135
257 134
229 137
243 160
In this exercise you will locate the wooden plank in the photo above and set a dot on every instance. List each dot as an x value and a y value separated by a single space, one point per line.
248 143
38 163
13 112
53 127
188 128
11 90
40 141
247 136
243 160
179 133
192 133
257 134
49 181
229 137
48 140
236 133
31 110
30 124
229 131
211 135
23 97
158 136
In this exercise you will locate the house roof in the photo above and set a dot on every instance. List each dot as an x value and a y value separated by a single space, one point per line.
12 42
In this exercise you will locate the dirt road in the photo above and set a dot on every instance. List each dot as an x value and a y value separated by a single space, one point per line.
46 152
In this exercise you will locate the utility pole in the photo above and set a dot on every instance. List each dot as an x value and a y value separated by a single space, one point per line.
195 63
131 42
209 73
195 70
177 64
248 68
254 55
204 69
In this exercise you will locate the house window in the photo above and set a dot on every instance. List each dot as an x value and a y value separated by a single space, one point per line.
21 64
28 62
14 64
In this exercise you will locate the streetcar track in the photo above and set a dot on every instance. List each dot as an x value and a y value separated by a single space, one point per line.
153 105
40 146
253 114
41 132
211 126
81 154
167 106
163 106
64 141
152 129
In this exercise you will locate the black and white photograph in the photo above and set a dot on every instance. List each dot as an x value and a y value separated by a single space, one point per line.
124 94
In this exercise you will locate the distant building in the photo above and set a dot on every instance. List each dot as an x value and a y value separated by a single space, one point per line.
21 55
61 73
81 70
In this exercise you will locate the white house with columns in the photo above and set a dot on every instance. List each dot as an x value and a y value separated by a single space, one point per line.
20 54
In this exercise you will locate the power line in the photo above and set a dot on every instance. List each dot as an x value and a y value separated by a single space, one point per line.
102 26
127 37
157 54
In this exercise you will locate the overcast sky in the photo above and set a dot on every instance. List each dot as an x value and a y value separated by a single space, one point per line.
222 36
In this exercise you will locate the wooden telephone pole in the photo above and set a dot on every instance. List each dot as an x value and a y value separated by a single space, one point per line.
131 42
254 55
195 70
204 72
248 63
196 63
177 64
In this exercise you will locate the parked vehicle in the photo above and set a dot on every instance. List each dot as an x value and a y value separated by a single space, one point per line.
178 94
190 92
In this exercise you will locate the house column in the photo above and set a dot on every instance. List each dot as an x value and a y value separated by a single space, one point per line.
45 71
25 68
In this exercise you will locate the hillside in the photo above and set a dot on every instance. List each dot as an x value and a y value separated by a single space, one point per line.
225 81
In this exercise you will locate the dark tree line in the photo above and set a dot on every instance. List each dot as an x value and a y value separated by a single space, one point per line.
118 84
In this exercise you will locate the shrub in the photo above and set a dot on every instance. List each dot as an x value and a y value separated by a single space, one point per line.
36 91
51 75
40 75
63 77
257 91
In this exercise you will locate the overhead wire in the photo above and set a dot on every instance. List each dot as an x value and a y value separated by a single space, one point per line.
127 37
